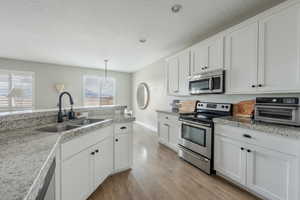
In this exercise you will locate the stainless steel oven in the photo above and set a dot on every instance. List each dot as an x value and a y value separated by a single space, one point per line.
196 137
209 82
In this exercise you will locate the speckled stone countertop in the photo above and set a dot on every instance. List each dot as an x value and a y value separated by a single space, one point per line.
26 156
170 112
275 129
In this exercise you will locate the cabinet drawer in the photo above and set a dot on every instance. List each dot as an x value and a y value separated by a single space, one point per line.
78 144
168 118
122 128
273 142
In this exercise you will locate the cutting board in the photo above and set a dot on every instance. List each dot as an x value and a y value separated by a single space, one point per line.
243 108
187 106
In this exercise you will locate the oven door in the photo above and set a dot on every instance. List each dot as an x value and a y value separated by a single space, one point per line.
196 138
200 86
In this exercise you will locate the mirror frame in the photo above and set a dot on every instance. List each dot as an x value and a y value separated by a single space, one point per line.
145 85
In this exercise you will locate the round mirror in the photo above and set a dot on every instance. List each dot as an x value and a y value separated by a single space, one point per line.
142 96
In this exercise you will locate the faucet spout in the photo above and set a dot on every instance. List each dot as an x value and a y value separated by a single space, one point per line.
60 115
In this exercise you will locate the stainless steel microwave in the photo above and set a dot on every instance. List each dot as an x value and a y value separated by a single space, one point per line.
212 82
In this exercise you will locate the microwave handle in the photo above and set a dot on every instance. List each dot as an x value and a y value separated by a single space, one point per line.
210 83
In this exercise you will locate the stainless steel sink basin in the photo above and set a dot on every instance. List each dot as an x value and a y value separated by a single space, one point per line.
57 128
69 126
86 121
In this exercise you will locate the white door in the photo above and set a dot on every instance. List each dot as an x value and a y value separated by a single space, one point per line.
184 72
173 75
215 53
272 174
103 161
279 67
164 130
230 158
122 152
76 176
242 59
199 58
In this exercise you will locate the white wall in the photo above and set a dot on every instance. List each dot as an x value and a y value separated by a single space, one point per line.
47 75
154 76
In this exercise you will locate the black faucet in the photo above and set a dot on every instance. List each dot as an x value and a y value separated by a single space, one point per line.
71 114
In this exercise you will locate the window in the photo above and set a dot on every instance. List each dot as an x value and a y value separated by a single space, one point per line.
98 91
16 90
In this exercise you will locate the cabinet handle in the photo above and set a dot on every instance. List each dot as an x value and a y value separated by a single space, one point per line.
247 136
202 68
259 85
253 86
97 151
123 127
93 153
117 140
242 148
206 67
167 117
248 150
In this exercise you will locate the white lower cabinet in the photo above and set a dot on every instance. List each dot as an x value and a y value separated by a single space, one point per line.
76 176
168 130
269 173
230 159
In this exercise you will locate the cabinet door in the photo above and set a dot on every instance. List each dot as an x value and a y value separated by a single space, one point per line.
230 159
174 133
199 58
122 152
279 67
215 53
164 129
241 59
173 75
103 161
272 174
184 72
76 176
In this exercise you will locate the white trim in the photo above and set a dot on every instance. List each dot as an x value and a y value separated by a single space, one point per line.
151 128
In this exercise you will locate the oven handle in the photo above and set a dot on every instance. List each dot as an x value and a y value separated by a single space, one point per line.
198 125
282 107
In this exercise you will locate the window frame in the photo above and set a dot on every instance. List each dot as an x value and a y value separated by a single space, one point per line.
100 90
10 73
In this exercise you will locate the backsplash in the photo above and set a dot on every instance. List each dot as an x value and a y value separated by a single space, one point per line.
26 119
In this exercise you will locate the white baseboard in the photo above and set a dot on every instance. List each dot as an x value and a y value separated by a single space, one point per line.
154 129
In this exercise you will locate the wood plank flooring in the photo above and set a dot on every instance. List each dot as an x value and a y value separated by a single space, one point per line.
158 174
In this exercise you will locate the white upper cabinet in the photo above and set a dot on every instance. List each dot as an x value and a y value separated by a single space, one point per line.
241 58
279 67
178 73
207 55
173 75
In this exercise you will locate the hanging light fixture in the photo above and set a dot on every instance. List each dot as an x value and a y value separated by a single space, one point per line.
105 72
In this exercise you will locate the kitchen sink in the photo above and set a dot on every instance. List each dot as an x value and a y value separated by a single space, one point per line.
69 126
58 128
86 121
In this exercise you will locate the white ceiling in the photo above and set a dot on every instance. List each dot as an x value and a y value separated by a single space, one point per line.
85 32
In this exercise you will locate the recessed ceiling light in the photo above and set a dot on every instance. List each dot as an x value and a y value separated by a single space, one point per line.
143 40
176 8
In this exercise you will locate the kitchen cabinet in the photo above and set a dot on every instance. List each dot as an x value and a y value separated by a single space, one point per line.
86 170
178 70
241 58
229 159
259 162
168 130
123 147
103 161
262 56
76 176
207 55
279 67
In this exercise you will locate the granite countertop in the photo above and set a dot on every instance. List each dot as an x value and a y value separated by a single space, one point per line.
171 112
275 129
27 154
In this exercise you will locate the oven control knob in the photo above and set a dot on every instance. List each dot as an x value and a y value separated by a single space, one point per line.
223 106
226 107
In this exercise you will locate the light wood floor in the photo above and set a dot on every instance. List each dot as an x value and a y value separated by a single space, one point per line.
158 174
